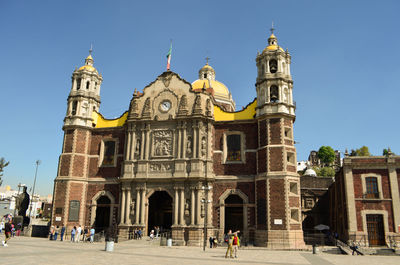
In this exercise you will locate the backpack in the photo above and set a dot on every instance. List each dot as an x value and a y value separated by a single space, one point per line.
226 238
235 240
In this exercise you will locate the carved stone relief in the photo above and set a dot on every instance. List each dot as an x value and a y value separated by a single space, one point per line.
146 108
187 207
203 146
160 167
134 109
208 107
182 110
197 105
162 140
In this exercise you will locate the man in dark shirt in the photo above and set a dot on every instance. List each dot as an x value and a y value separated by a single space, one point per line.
7 230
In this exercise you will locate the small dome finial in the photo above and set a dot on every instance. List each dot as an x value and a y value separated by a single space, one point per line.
207 58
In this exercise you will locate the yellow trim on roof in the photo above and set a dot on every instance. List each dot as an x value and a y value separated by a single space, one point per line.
101 122
246 114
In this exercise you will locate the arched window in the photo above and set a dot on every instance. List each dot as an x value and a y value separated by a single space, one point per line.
78 84
74 107
205 75
273 93
273 66
87 84
95 85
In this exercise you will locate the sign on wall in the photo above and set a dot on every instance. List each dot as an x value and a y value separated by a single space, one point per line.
73 211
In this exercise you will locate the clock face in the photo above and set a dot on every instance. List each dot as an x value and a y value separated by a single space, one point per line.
165 105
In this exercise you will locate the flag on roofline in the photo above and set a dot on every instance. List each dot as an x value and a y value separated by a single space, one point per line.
169 57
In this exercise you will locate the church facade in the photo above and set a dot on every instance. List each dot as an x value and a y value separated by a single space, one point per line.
182 159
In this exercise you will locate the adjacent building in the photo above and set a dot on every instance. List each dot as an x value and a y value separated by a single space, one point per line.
365 201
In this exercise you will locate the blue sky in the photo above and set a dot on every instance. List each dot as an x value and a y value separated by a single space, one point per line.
345 66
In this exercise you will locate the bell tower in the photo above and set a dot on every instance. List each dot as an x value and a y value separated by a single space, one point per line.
84 97
277 184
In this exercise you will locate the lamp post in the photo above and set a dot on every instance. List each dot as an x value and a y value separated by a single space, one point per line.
205 202
34 184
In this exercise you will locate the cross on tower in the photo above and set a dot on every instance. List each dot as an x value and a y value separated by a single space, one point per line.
91 49
272 28
207 58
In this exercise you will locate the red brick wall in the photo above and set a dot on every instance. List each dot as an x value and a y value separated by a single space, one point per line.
358 182
262 160
81 140
69 139
79 166
294 201
59 200
291 168
275 159
263 133
374 205
277 206
275 131
250 130
261 205
65 162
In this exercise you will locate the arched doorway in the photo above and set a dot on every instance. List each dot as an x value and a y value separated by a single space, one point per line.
233 213
102 220
160 211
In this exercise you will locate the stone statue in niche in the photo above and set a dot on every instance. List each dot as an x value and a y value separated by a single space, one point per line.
187 207
203 146
189 146
133 205
137 148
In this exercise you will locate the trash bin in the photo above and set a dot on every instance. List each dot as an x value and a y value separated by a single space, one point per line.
314 249
109 245
169 242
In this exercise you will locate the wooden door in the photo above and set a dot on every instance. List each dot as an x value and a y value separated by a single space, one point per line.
376 234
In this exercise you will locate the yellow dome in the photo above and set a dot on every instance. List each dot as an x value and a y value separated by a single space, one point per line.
273 48
87 68
220 90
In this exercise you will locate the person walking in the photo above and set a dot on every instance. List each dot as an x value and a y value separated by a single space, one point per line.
92 231
62 232
211 239
235 244
85 234
78 234
56 230
7 231
73 232
51 232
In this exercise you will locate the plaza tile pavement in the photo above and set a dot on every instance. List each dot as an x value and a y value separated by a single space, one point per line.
25 250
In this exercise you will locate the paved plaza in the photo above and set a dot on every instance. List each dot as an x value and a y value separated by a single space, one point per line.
25 250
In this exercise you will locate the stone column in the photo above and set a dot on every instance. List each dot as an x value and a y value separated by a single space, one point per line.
184 140
182 207
194 155
132 146
128 144
122 207
128 206
192 209
179 153
142 210
198 207
137 211
176 205
147 142
142 146
394 191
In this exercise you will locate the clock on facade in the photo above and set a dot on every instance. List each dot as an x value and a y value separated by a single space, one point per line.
165 105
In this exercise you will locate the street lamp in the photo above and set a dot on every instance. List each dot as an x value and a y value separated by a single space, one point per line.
34 184
205 201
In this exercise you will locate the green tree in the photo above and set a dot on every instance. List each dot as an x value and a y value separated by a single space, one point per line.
363 151
326 154
386 152
3 164
327 172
